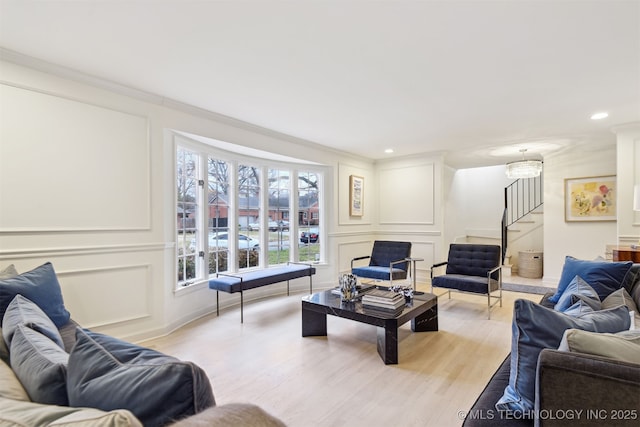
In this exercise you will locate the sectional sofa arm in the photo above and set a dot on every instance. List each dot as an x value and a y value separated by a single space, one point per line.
231 414
595 390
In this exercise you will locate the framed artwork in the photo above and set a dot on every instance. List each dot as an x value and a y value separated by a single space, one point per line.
590 199
356 195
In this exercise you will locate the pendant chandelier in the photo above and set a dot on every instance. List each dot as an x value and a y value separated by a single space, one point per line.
524 168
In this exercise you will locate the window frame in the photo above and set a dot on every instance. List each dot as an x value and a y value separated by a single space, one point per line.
196 221
234 160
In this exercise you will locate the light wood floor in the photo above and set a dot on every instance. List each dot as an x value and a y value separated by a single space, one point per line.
340 380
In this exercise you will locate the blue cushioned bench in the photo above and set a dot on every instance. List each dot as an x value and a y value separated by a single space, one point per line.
232 283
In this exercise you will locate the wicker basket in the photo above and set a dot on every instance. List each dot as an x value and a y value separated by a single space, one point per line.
530 264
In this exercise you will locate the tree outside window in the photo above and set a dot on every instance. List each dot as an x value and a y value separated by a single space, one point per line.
309 216
218 215
187 213
278 216
215 215
248 210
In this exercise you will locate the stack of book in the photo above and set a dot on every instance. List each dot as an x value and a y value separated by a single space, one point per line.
380 299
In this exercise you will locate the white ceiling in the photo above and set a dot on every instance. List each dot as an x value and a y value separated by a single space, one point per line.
461 77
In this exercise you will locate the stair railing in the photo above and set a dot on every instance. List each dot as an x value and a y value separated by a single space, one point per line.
521 197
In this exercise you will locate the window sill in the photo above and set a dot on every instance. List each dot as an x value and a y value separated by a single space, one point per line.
195 286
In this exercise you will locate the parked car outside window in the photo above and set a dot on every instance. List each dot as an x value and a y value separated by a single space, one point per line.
221 240
283 225
273 226
310 236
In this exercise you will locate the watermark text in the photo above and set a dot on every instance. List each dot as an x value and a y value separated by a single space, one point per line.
552 414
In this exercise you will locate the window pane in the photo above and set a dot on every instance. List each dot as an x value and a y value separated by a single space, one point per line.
248 213
309 216
261 214
187 213
218 214
278 221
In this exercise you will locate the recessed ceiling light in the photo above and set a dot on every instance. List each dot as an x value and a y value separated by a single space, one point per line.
389 150
599 116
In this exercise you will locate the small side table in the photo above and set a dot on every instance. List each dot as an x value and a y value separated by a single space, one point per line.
413 267
626 253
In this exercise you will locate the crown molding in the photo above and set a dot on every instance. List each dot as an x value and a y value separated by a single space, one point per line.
633 127
101 83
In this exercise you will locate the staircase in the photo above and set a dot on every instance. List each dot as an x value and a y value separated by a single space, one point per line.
522 217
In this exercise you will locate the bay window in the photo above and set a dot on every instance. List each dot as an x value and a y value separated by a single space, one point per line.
237 212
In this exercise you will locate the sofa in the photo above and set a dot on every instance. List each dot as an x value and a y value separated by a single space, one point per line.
55 373
574 351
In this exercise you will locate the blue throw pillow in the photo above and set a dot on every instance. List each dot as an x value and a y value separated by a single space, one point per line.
576 287
39 285
40 365
22 311
536 327
107 373
603 276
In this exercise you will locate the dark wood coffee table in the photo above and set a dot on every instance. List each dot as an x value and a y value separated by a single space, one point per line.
422 311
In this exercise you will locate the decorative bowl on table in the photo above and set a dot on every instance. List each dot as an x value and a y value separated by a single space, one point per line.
347 283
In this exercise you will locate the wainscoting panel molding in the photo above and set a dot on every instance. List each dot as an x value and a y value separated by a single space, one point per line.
410 235
349 250
106 296
48 253
406 194
68 165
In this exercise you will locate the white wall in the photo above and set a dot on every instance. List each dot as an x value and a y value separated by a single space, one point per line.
71 188
100 207
476 202
410 206
628 149
117 271
583 240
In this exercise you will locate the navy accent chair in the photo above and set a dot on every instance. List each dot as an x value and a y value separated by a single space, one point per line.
388 261
472 268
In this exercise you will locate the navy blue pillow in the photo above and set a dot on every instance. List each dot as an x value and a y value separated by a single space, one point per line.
536 327
107 373
39 285
603 276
